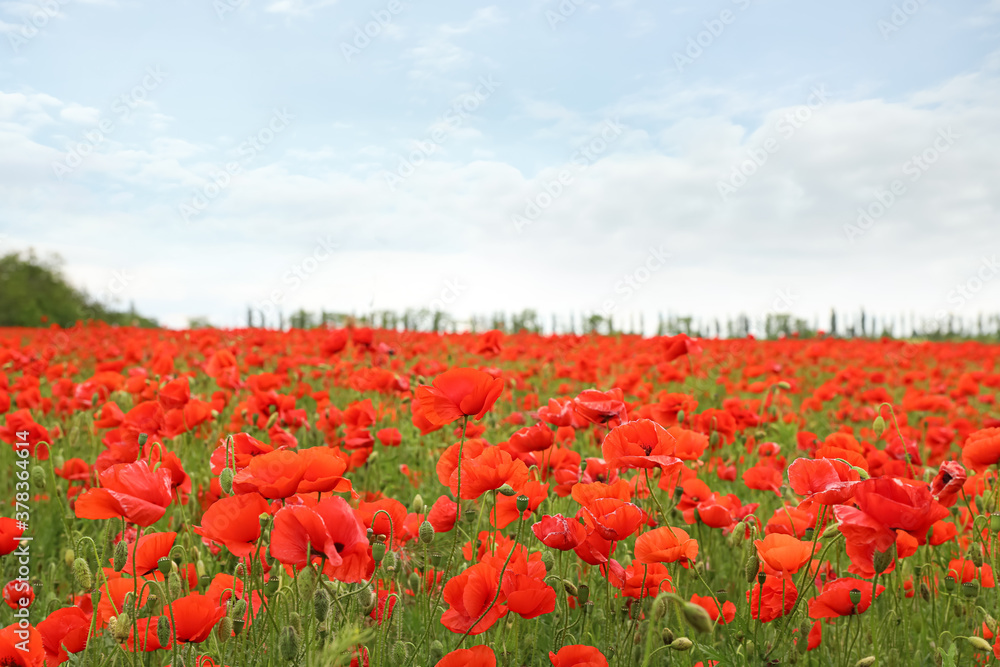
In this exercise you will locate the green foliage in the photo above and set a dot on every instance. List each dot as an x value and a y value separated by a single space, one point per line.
34 292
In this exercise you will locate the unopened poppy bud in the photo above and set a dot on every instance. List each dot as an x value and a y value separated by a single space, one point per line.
417 506
69 556
752 566
925 591
174 585
862 473
697 617
979 643
949 583
142 439
970 588
681 644
659 609
120 557
883 559
414 581
288 644
271 421
238 609
199 568
976 555
667 635
378 551
507 490
224 629
548 560
321 604
163 565
263 519
865 662
784 385
81 571
226 480
123 628
582 593
163 631
713 439
739 532
522 503
426 532
569 587
878 426
437 651
271 587
38 475
855 596
367 600
398 653
680 416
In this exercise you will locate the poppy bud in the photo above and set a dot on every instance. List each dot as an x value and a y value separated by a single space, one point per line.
163 565
142 439
855 596
288 644
582 593
120 557
784 385
878 426
865 662
660 607
417 506
681 644
174 586
437 651
883 559
569 587
970 588
751 566
123 628
667 635
925 591
713 440
238 609
226 481
163 631
264 519
321 605
38 476
81 571
680 416
507 490
367 599
68 557
378 551
697 617
271 586
739 532
199 568
976 555
398 653
271 421
129 602
426 532
979 643
224 629
548 560
522 503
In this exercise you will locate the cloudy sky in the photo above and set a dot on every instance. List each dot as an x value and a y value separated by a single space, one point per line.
618 156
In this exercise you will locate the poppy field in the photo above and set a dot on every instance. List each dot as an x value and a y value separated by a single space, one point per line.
361 496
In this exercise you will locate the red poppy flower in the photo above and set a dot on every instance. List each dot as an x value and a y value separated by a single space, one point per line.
151 549
784 554
282 473
490 470
129 490
234 522
825 481
948 482
443 514
665 545
329 533
835 600
899 505
18 594
456 393
982 449
195 616
64 631
578 655
763 478
639 444
778 598
531 439
469 594
613 519
390 437
601 407
477 656
9 532
560 533
19 652
709 604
